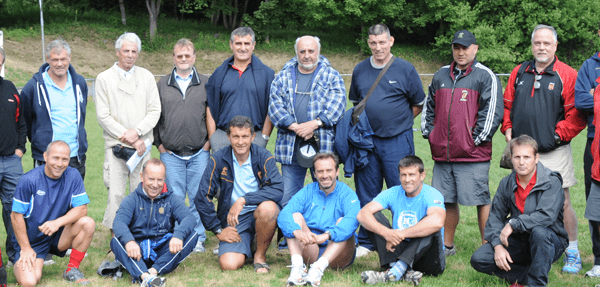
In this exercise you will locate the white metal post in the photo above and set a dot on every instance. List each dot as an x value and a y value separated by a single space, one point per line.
2 46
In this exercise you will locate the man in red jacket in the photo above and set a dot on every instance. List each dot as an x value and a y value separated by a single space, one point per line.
539 101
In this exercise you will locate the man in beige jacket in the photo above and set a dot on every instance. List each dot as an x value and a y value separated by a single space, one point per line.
128 108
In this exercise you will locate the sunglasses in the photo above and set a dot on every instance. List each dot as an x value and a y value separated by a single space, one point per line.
183 56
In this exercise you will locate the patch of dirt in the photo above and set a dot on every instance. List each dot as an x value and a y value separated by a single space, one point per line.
92 57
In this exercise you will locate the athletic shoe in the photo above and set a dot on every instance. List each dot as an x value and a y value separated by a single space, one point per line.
9 264
297 276
374 277
199 247
449 251
516 285
216 250
572 262
362 251
412 276
74 275
313 278
594 272
48 260
154 281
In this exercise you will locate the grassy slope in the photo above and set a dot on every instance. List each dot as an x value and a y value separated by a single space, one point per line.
203 269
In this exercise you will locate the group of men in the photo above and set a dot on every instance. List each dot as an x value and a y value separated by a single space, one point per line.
212 132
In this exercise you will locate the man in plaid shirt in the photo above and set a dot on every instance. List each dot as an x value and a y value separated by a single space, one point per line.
308 98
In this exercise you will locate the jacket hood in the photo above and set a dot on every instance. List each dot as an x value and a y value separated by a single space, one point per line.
291 63
596 57
542 177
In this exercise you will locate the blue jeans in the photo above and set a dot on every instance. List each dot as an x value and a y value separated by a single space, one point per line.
383 164
11 170
293 180
532 255
184 175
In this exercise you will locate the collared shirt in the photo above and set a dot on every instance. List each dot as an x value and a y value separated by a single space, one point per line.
126 74
239 96
63 112
182 82
244 181
522 193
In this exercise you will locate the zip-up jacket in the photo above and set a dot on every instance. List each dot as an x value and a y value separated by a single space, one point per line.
36 109
13 131
586 80
596 142
219 175
181 127
543 206
463 110
544 112
321 211
140 218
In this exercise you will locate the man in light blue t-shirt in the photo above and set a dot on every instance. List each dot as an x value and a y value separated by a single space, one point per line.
413 245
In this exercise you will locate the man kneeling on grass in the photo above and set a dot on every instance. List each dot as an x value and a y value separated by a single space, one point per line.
146 218
319 222
49 215
414 246
525 230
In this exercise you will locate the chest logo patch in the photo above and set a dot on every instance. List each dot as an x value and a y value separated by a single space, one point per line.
551 86
407 219
161 210
224 172
41 192
464 96
11 100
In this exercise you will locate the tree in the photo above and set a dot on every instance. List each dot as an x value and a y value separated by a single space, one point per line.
123 16
153 9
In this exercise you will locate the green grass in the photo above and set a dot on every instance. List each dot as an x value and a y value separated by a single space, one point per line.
203 269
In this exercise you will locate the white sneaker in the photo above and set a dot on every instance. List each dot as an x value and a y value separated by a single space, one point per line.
313 278
362 251
595 272
297 276
216 250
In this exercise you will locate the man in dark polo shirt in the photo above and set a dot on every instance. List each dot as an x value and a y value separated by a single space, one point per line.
240 86
398 98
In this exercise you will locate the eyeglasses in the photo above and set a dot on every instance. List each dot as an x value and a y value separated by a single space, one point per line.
183 56
536 84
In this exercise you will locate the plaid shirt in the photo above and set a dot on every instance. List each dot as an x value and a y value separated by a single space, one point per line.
327 102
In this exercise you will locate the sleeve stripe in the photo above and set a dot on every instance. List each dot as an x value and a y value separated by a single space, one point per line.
492 106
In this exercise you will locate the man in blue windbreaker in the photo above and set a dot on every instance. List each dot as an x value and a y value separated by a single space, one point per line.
319 223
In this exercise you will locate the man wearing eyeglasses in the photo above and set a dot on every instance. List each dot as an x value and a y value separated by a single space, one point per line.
462 113
181 135
308 98
539 101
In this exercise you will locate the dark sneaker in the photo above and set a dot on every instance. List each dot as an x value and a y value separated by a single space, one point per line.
450 251
74 275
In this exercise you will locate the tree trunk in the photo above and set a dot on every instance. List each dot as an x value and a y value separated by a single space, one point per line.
225 21
153 11
123 16
234 16
244 12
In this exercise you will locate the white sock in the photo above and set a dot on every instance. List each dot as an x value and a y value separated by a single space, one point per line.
297 260
573 246
322 263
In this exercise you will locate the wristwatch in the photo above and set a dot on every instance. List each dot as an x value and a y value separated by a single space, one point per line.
328 234
218 231
265 137
319 122
512 222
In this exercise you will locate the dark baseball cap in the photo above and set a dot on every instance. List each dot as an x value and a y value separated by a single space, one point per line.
307 150
464 38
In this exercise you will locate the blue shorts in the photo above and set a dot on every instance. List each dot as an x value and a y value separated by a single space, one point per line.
246 231
42 248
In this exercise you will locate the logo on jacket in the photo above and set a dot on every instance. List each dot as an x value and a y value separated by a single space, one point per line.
224 172
161 210
11 100
41 192
520 83
551 86
464 96
407 219
259 174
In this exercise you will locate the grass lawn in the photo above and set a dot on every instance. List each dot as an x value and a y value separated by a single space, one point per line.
203 269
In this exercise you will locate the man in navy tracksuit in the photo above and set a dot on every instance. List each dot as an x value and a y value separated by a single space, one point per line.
146 218
251 189
54 103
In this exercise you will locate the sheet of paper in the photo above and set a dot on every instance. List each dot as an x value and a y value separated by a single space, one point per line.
135 159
